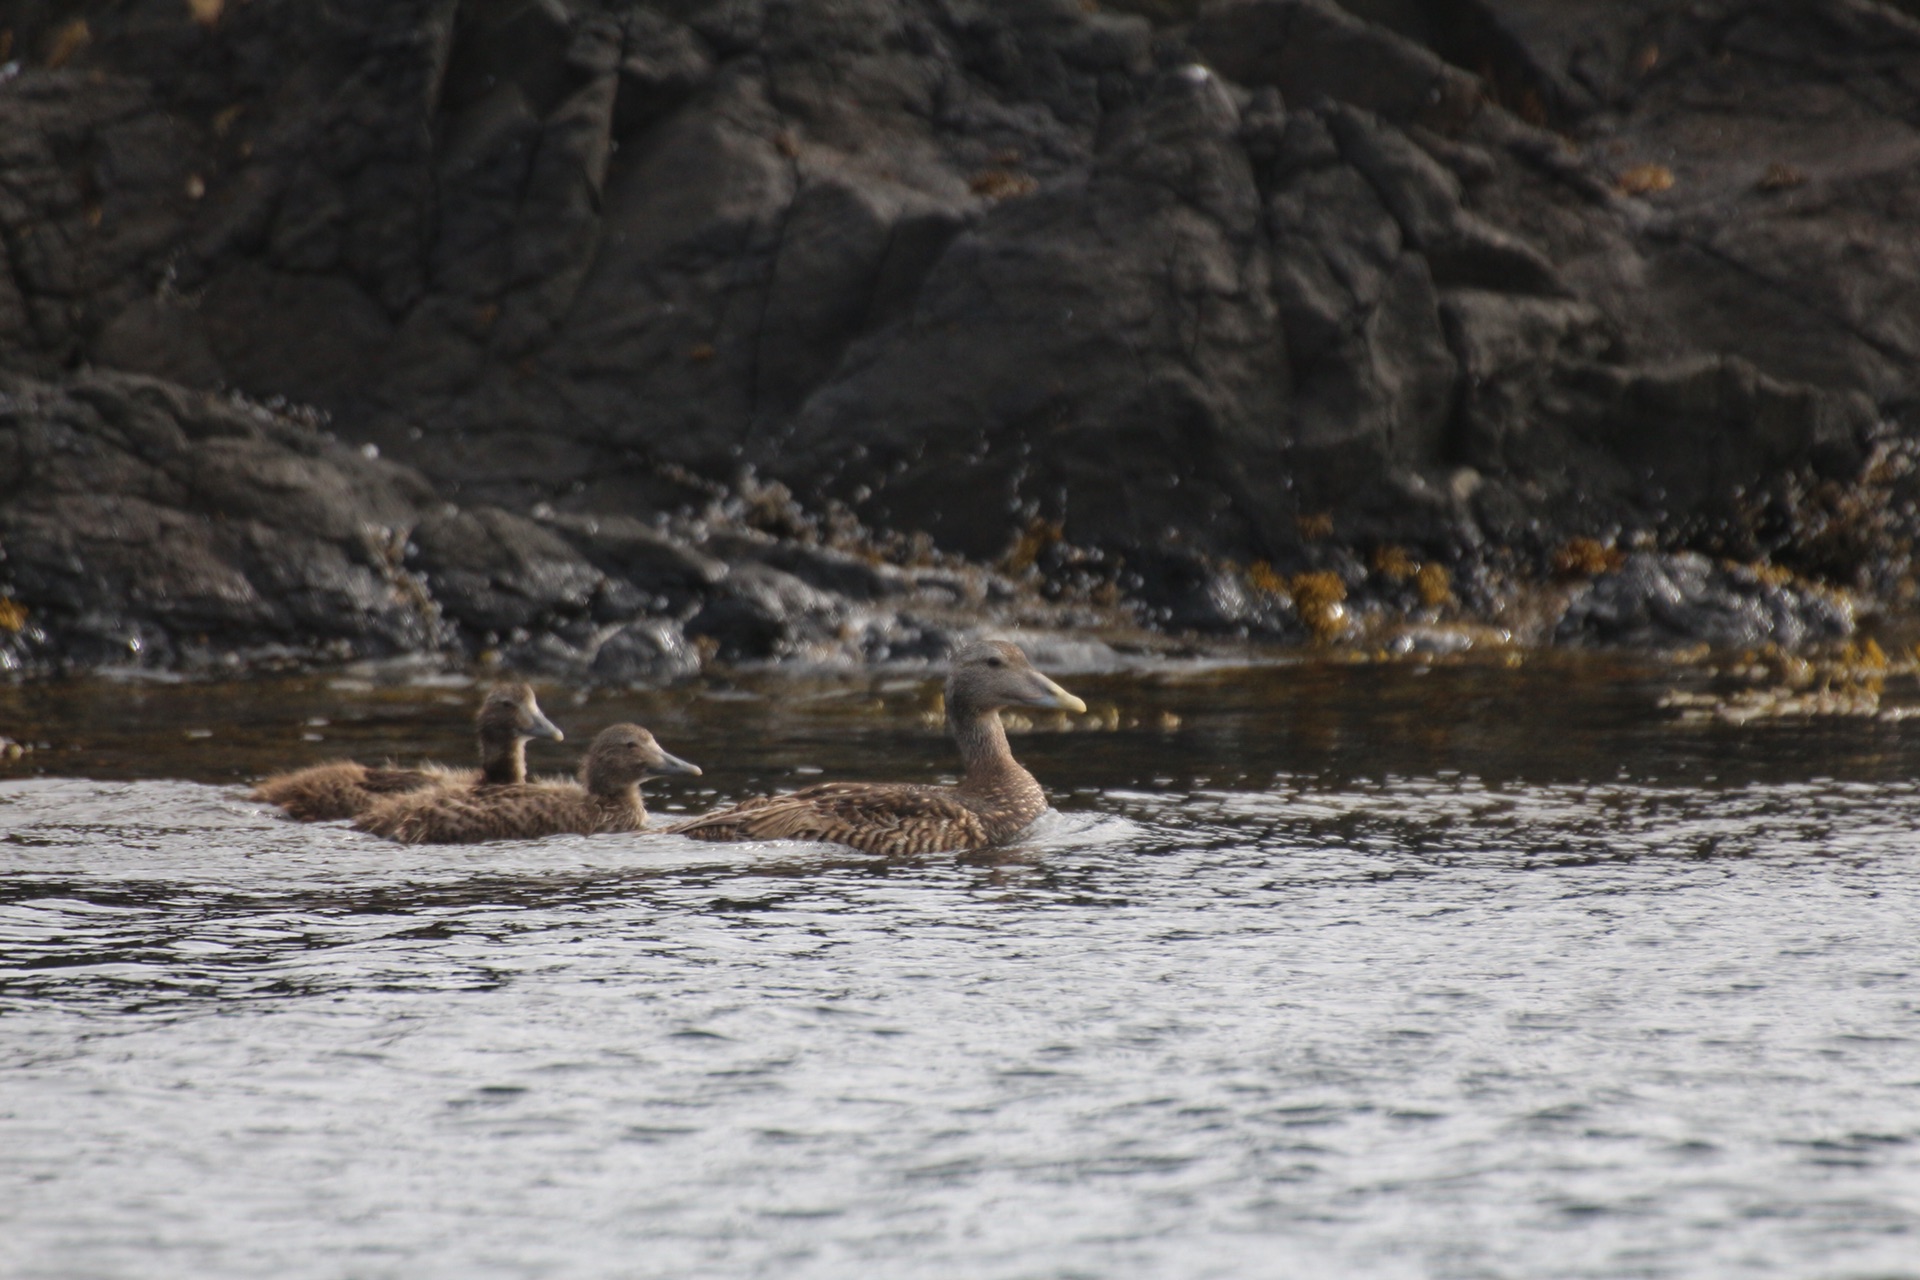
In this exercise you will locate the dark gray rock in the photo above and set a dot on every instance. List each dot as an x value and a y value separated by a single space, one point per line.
759 613
1787 132
494 571
1426 202
1188 592
1104 350
136 517
669 573
644 652
640 652
142 524
1663 601
1315 49
903 637
863 577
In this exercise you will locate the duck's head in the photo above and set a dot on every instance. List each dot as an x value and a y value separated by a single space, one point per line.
625 754
510 714
990 674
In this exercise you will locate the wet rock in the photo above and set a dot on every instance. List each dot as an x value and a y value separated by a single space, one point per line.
830 569
1188 592
143 524
494 571
644 652
1671 600
759 613
670 573
136 517
904 637
641 652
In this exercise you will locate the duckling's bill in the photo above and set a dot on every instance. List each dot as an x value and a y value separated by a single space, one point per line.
670 763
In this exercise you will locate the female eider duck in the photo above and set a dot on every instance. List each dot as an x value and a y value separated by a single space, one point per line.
995 801
508 720
620 759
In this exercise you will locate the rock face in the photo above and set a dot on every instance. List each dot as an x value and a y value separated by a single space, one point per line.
1282 281
142 522
145 525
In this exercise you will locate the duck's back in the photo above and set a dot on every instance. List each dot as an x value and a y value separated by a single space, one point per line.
887 818
346 789
521 811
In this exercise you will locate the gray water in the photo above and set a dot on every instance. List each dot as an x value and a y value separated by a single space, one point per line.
1347 971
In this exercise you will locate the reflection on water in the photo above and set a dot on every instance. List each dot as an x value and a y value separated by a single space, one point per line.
1347 971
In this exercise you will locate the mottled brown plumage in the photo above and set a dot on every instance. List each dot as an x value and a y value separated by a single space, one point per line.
508 719
620 759
995 801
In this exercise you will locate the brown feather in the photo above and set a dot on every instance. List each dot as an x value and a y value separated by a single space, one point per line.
879 817
343 788
524 811
995 801
621 757
508 716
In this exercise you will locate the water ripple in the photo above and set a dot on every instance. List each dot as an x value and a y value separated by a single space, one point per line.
1413 1024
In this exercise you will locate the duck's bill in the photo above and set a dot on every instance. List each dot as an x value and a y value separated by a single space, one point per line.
1049 694
674 764
545 728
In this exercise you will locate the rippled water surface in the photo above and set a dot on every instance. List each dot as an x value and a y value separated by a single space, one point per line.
1317 970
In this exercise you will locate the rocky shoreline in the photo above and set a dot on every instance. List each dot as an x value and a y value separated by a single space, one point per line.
604 341
153 528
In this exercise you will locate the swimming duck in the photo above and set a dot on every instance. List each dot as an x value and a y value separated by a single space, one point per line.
508 719
620 759
996 799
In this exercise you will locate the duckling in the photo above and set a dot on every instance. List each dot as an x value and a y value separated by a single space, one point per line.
996 799
508 719
620 759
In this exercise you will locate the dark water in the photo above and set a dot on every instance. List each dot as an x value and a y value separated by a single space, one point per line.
1319 970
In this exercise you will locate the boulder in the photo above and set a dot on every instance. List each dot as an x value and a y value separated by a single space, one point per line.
1673 600
137 518
493 571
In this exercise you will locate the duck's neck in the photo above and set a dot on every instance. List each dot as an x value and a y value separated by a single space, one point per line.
622 797
982 740
998 788
503 763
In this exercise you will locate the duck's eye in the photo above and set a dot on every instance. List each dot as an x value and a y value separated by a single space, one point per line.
996 662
